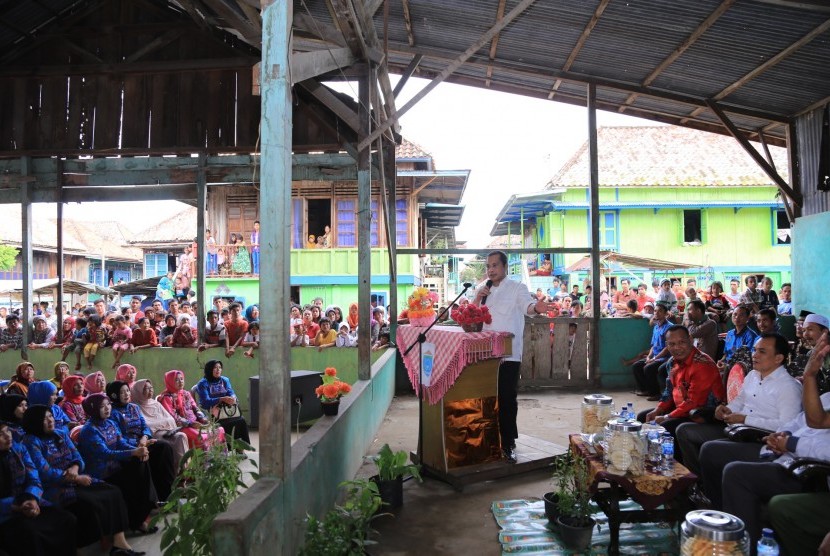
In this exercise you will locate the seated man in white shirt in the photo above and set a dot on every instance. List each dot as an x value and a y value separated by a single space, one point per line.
768 398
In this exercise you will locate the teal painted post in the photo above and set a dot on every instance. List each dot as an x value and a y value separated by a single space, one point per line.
201 208
364 219
275 217
594 340
26 254
60 269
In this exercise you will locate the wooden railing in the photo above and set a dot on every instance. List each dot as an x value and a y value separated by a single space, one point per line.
555 357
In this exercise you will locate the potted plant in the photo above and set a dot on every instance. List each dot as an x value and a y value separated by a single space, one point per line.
209 480
472 318
575 523
392 466
345 529
561 476
331 391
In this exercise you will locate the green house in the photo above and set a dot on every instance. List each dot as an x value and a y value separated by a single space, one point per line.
427 206
667 193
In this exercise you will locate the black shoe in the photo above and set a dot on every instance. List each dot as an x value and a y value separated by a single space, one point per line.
115 551
509 454
146 530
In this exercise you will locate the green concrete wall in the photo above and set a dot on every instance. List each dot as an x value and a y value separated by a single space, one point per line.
269 517
620 338
153 363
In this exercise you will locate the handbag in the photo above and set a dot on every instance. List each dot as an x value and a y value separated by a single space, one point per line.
225 411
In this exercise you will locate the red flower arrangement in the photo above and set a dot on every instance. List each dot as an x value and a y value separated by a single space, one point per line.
471 316
332 388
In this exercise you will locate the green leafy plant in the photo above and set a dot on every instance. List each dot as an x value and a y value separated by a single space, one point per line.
392 465
345 529
573 494
8 257
208 482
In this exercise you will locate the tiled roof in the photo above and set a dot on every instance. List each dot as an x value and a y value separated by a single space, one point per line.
408 149
667 156
44 233
110 237
179 228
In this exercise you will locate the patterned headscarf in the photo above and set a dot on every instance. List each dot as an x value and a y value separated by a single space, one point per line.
91 383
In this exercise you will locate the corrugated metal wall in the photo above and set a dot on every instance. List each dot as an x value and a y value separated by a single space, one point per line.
808 131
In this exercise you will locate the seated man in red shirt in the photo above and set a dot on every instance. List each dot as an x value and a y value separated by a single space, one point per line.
694 381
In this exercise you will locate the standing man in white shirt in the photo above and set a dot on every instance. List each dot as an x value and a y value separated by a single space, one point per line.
508 301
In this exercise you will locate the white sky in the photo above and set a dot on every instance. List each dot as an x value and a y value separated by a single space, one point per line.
512 144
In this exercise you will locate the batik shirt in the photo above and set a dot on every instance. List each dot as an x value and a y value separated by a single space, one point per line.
131 423
26 483
52 455
103 448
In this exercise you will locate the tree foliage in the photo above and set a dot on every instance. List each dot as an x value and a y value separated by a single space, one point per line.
8 257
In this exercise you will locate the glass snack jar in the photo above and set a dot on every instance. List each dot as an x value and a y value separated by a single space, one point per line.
626 453
596 410
713 533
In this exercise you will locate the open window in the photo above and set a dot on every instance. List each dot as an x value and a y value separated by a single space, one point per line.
783 232
693 227
318 217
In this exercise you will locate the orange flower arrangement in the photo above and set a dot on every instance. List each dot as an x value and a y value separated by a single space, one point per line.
420 303
332 388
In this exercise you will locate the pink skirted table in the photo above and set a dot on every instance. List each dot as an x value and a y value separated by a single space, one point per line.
460 418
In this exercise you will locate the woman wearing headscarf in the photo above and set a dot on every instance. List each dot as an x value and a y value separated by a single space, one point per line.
216 391
61 370
136 432
109 457
184 335
252 313
43 337
126 373
180 404
94 383
161 423
352 318
12 408
73 397
28 528
98 506
24 375
44 392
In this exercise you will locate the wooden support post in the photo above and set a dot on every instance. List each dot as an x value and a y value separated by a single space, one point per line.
392 215
364 219
59 297
201 207
792 161
26 254
594 339
275 243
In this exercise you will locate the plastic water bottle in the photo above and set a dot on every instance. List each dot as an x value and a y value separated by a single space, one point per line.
767 545
655 447
631 414
667 445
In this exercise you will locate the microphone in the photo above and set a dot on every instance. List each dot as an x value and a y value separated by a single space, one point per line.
467 285
484 299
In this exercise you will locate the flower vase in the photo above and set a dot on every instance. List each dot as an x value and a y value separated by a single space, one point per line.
473 327
330 408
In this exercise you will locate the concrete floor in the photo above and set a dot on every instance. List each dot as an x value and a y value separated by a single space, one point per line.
436 519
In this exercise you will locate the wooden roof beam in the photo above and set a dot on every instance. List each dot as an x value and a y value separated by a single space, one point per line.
783 186
683 47
495 44
407 73
794 47
321 30
580 42
251 32
330 101
446 72
155 44
407 20
305 65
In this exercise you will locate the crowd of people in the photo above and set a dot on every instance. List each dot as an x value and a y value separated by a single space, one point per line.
83 460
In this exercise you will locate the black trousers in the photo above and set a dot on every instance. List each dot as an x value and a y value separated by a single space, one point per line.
508 402
135 481
52 533
646 376
162 468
